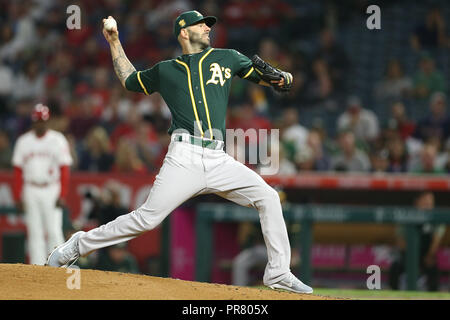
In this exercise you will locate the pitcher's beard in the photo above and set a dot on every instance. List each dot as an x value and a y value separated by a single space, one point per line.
198 41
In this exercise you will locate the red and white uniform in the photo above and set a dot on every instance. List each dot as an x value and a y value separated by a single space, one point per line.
41 173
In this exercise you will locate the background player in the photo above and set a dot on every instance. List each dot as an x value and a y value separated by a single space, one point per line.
195 87
41 161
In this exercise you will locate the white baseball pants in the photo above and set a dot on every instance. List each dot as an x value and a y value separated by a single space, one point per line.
43 220
190 170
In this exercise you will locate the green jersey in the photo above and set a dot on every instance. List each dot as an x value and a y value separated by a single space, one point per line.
196 87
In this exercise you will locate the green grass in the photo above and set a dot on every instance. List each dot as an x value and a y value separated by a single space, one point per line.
382 294
360 294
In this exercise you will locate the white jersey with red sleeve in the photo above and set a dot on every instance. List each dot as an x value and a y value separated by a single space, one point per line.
40 158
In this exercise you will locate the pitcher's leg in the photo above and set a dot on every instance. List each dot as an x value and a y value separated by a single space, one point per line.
236 182
174 184
52 218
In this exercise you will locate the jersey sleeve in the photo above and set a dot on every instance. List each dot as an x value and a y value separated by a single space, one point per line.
243 67
144 81
65 158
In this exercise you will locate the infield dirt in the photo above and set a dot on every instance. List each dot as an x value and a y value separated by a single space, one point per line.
31 282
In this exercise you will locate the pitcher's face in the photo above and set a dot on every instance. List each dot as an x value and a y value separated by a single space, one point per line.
199 35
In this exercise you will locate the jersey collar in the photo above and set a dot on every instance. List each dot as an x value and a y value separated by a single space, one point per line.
193 54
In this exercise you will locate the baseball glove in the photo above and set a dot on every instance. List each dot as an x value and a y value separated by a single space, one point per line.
269 73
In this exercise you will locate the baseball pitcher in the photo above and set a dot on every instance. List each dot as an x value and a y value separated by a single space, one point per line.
195 87
41 161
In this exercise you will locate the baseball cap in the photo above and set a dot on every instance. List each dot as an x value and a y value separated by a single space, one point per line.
40 112
189 18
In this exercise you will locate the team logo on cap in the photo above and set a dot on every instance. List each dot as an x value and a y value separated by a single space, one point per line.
40 112
182 23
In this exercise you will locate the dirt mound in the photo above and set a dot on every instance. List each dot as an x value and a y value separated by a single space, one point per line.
31 282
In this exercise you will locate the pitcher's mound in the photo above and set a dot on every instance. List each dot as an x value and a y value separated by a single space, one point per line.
31 282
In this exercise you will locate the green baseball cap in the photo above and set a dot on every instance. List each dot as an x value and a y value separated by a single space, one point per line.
189 18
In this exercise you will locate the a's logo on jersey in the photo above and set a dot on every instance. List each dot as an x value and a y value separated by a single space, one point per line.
218 72
182 23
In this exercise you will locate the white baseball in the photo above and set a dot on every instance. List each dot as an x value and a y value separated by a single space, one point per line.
110 24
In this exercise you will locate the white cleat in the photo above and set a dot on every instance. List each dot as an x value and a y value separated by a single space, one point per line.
291 283
65 254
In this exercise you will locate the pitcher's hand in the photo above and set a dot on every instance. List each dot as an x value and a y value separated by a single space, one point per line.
110 35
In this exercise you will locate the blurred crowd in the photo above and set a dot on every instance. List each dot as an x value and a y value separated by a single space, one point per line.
112 130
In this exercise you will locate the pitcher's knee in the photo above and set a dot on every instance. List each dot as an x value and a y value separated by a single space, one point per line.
269 199
272 195
148 219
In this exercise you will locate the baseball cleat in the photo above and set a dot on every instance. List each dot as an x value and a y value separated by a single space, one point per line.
65 254
291 283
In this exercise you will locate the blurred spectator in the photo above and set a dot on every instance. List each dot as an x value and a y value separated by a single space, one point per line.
293 134
312 155
334 56
127 128
30 82
23 29
400 122
304 159
47 38
349 158
63 79
362 122
397 155
126 159
107 205
430 240
100 91
431 33
437 123
427 79
82 120
117 258
146 140
270 51
427 162
6 87
59 121
96 152
269 15
163 11
315 141
138 41
395 84
379 161
321 88
446 159
5 151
